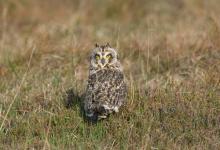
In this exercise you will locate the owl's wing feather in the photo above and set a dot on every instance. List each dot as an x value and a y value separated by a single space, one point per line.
106 92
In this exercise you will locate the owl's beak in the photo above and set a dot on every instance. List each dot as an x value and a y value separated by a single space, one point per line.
103 61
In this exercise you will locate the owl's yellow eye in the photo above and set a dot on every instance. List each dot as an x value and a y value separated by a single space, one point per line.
109 56
97 57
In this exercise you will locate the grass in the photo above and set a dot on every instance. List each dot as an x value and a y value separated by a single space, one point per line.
170 52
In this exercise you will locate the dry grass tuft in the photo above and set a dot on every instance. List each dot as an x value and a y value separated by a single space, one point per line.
170 52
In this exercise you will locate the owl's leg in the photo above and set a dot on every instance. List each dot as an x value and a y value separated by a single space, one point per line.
89 114
92 116
101 117
104 112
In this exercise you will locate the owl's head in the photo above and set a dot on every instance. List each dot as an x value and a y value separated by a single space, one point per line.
104 56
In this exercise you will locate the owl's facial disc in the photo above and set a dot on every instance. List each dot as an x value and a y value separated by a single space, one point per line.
103 58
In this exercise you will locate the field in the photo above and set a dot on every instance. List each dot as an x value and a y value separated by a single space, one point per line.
170 51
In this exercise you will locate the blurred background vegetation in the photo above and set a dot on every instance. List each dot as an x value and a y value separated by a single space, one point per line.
170 51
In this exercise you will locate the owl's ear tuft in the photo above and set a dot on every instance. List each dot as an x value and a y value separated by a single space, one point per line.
108 45
96 45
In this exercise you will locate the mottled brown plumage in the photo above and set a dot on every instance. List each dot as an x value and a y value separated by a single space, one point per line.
106 90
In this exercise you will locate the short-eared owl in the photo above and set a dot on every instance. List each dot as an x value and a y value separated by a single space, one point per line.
106 90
